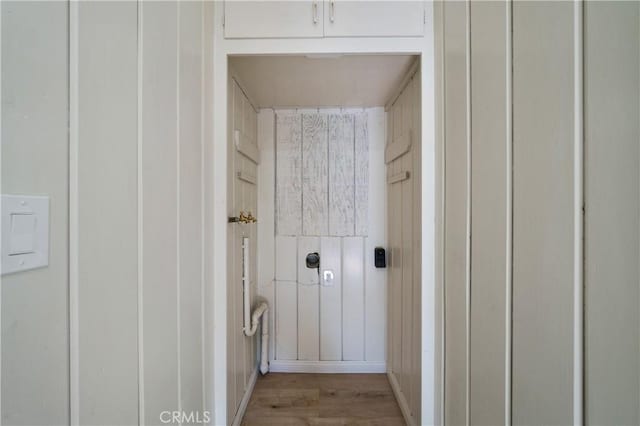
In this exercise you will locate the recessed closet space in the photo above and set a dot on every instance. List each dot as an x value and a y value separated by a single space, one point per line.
324 220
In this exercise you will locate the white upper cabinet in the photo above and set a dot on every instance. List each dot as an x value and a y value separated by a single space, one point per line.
373 18
328 18
273 19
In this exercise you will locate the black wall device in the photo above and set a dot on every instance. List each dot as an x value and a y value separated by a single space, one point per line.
313 260
380 257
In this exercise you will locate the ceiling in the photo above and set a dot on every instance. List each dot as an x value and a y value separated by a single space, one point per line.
320 81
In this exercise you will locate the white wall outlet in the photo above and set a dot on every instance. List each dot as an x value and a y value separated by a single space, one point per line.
327 277
25 233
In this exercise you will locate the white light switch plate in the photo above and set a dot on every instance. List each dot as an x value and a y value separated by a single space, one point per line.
25 233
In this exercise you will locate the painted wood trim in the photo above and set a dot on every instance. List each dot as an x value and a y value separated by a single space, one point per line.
402 401
398 147
244 403
74 286
332 367
245 177
245 147
405 82
578 212
234 76
398 177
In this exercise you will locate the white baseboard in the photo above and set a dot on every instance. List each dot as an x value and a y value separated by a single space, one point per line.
279 366
237 420
402 401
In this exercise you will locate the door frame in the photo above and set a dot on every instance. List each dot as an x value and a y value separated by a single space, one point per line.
215 201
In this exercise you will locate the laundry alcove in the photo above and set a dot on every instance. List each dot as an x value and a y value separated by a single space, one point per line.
324 160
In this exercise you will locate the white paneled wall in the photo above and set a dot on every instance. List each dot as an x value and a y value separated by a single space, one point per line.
35 160
612 206
326 163
524 190
403 186
243 175
136 211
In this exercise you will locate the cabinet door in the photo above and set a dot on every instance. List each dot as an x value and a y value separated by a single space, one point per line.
373 18
273 19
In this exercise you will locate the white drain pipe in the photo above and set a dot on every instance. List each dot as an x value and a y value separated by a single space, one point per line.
251 320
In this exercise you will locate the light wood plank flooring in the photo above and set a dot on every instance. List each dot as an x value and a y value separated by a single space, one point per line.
323 399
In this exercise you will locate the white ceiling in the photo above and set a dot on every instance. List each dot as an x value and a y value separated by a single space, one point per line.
300 81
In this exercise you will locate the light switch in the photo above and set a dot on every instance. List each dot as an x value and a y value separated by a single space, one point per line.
23 233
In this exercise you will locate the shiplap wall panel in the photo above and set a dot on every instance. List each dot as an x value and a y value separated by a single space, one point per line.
159 268
543 216
341 175
353 299
404 313
306 245
308 322
108 54
190 202
331 300
489 210
308 302
286 258
286 320
327 329
375 278
406 187
266 213
394 226
231 263
315 175
288 174
455 232
35 160
241 352
362 159
612 220
416 365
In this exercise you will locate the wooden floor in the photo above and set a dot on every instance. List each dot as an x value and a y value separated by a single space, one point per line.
323 399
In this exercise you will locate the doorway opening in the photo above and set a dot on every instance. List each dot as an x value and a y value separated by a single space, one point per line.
323 200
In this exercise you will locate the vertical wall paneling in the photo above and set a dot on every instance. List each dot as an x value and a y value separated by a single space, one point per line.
286 260
190 204
331 300
394 232
243 170
612 219
490 164
353 299
266 257
288 174
406 219
375 214
342 320
136 132
308 302
416 240
232 269
286 320
35 159
107 86
456 118
315 191
543 214
404 314
362 160
341 184
159 99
